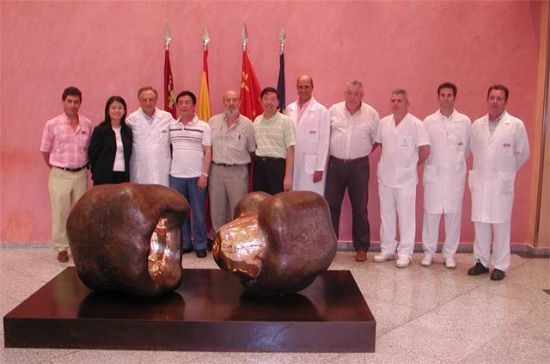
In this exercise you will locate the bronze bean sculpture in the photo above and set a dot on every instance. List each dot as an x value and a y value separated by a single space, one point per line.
277 244
126 237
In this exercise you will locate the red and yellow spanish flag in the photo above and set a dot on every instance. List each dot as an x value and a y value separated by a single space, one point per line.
250 91
204 99
169 94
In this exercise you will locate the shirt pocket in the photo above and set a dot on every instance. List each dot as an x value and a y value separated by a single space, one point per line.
312 136
405 142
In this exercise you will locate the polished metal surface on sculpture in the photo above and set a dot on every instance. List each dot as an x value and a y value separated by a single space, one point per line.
277 244
126 237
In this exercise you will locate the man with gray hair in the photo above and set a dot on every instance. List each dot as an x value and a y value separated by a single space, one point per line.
232 142
353 126
405 144
150 162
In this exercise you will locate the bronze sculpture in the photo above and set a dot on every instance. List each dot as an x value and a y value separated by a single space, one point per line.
277 244
126 237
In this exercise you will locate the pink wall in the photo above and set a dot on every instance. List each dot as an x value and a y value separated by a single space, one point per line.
108 48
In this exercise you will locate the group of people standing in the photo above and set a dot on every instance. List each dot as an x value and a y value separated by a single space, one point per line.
309 147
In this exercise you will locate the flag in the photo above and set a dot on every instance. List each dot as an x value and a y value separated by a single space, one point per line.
204 100
169 94
281 83
250 91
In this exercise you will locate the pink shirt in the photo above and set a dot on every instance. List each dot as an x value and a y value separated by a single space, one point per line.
68 148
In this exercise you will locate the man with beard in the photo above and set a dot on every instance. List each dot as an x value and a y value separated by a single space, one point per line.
232 142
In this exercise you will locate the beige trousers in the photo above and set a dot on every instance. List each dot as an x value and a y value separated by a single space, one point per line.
65 189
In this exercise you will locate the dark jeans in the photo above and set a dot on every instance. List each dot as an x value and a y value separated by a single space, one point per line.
196 198
269 174
116 177
353 175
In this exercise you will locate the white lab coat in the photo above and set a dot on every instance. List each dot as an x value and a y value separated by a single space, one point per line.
496 161
150 162
445 169
312 144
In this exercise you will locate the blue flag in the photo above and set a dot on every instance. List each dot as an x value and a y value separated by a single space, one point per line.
281 83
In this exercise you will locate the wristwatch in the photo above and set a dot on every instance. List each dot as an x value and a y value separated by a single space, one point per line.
204 174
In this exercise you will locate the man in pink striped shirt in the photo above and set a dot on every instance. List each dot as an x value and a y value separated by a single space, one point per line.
64 146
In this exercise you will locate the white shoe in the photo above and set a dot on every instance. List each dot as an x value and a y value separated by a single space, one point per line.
450 263
381 258
402 262
426 261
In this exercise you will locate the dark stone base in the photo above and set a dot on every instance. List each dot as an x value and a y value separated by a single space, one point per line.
208 312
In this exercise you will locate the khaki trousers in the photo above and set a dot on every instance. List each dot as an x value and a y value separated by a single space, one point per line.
65 189
226 186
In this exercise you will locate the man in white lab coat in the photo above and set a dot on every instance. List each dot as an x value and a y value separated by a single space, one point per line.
405 144
444 175
150 161
500 147
312 138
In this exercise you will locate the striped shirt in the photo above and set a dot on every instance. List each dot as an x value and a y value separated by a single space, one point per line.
274 135
188 142
68 147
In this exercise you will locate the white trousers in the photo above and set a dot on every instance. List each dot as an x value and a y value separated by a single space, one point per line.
397 202
430 232
501 244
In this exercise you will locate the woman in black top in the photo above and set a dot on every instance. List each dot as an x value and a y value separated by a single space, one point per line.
111 145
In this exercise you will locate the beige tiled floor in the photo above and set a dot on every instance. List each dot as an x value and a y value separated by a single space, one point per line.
423 315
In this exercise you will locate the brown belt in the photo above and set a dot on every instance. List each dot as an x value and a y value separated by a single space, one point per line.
72 169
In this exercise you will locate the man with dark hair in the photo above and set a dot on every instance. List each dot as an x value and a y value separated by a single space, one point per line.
444 175
64 147
150 161
500 147
275 140
232 143
311 120
353 125
191 156
405 145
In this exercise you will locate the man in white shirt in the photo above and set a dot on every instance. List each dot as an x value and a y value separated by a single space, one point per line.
444 175
353 126
312 138
405 144
150 161
191 156
500 147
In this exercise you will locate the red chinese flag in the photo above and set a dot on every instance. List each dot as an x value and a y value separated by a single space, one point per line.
169 94
250 91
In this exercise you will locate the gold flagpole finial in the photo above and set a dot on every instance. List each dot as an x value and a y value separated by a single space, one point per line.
282 39
244 36
167 36
205 38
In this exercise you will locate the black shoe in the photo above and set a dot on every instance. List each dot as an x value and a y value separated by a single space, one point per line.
188 250
497 275
201 253
477 269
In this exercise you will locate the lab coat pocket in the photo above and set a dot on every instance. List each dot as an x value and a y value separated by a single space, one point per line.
506 182
471 180
310 163
430 173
